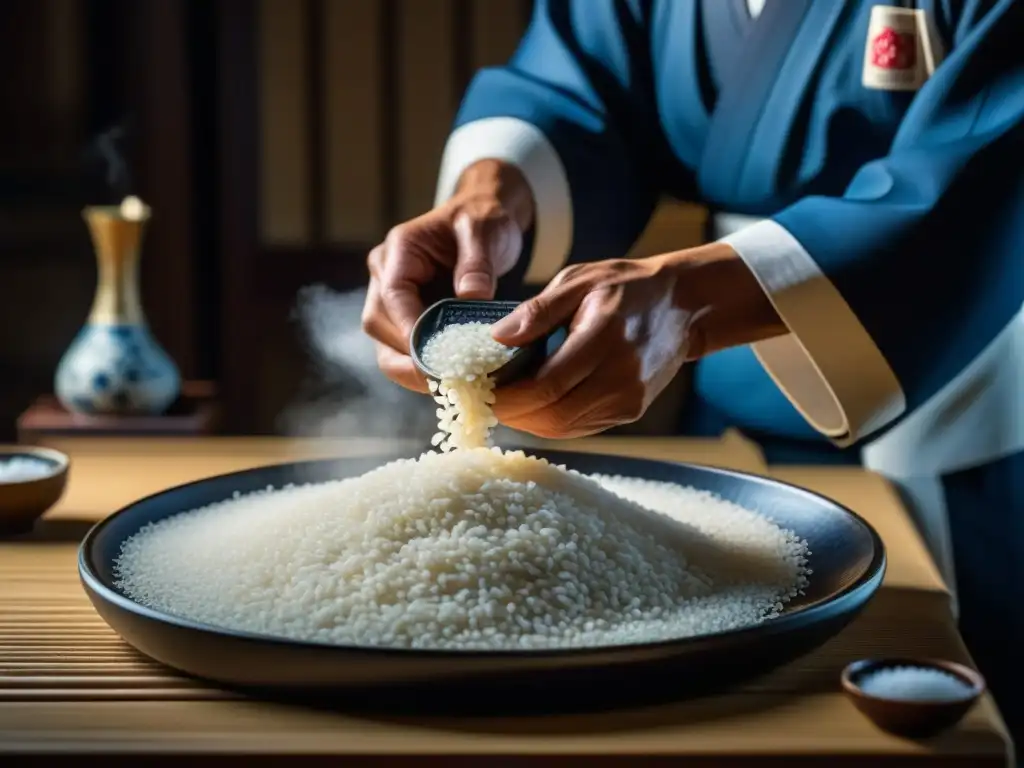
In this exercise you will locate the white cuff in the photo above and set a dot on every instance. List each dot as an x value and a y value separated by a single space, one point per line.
828 366
526 147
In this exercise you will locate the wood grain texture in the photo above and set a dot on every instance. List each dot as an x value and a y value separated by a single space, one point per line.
238 202
353 125
497 26
426 98
161 95
284 112
68 685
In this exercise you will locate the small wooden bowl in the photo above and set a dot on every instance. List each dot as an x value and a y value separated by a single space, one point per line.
906 717
22 502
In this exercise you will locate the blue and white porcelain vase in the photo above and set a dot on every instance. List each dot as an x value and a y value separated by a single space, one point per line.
114 365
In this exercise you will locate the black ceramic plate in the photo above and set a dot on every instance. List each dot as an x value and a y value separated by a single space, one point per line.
847 558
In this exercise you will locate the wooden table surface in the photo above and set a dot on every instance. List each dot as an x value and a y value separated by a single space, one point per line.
70 686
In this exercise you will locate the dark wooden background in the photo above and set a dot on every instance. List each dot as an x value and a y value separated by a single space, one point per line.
276 140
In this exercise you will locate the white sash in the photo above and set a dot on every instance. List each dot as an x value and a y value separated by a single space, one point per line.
975 419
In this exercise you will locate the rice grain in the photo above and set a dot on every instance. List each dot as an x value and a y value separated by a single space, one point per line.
464 355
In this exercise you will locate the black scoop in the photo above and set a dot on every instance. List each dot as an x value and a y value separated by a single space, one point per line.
524 360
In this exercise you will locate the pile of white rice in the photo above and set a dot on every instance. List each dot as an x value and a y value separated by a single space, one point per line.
475 548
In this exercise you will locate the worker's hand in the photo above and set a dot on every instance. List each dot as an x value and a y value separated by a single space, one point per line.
477 236
632 325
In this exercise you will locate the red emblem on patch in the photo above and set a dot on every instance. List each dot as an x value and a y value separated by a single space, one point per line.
893 50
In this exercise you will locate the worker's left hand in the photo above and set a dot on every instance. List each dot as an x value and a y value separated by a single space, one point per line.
632 325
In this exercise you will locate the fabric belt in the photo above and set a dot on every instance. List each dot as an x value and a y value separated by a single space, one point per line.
943 435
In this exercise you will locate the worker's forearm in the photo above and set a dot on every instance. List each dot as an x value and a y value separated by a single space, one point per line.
728 304
504 182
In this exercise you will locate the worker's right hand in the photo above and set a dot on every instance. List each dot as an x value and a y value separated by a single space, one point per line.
477 236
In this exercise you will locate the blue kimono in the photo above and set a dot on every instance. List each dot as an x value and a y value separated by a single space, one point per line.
874 154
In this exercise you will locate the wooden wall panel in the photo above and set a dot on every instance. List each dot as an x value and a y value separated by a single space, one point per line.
364 92
283 115
496 28
243 310
354 204
382 80
162 103
66 63
76 66
427 97
26 128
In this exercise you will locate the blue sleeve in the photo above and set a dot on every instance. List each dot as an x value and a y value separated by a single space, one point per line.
926 246
582 76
